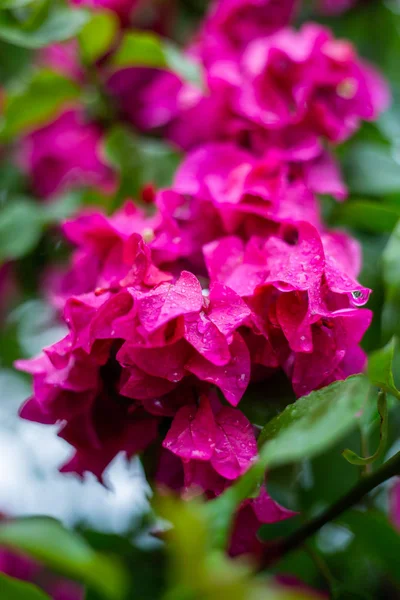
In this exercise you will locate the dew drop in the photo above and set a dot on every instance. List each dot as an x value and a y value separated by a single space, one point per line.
359 297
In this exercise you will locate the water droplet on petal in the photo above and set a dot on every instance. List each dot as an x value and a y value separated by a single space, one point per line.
359 297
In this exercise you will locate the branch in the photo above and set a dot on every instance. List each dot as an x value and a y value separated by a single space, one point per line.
277 549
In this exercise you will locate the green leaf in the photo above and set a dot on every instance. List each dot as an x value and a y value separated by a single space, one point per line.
181 64
197 571
62 207
6 4
380 370
65 552
36 102
37 326
20 228
146 49
371 169
378 538
314 423
14 589
61 23
97 35
391 277
139 161
368 216
303 430
139 48
145 566
158 161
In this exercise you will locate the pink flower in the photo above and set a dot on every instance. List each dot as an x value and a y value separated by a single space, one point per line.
232 24
65 154
302 290
133 346
106 248
249 194
252 514
123 8
64 58
220 437
308 76
77 391
284 91
132 89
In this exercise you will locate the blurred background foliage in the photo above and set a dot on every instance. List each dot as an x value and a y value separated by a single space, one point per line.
356 557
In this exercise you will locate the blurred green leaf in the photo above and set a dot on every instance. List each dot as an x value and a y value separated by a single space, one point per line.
139 161
197 571
343 592
18 61
61 23
367 216
380 368
5 4
391 277
159 162
65 552
20 228
181 64
378 537
62 207
97 35
38 326
12 181
145 566
146 49
139 48
36 101
372 169
14 589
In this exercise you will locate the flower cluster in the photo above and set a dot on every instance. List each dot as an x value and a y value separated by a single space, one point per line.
232 277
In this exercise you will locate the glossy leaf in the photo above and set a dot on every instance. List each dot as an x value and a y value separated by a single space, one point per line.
65 552
14 589
313 423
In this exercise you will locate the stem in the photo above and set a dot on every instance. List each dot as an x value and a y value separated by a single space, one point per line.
366 470
276 550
